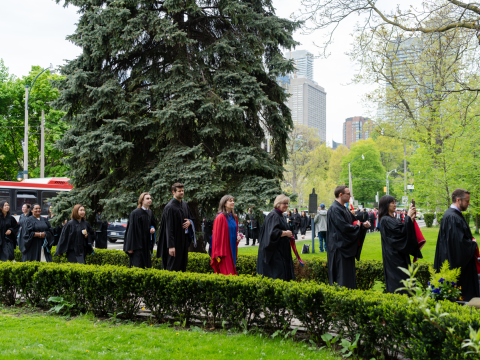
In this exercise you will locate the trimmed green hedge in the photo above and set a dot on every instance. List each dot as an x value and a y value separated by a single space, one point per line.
387 323
368 271
429 219
440 216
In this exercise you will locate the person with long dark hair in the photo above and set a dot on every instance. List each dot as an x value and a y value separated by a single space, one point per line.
76 238
8 232
225 238
37 235
296 222
303 224
399 241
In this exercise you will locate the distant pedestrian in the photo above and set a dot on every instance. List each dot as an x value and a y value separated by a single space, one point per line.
344 241
225 238
101 241
303 224
274 253
296 222
456 244
140 233
8 232
76 238
176 232
320 222
252 226
37 236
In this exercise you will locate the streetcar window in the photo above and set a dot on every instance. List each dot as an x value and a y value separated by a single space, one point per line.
46 196
5 196
25 197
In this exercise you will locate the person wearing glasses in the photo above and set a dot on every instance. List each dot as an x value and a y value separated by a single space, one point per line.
274 252
345 238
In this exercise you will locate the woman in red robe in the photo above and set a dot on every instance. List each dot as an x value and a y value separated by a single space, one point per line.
225 238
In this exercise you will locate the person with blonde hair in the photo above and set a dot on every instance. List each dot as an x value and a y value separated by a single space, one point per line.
274 252
140 232
76 238
225 238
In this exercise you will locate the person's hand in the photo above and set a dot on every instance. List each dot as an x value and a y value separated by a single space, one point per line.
367 224
8 232
171 251
287 233
185 225
412 212
152 231
130 251
474 240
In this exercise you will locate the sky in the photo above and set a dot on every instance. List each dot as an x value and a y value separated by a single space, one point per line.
33 32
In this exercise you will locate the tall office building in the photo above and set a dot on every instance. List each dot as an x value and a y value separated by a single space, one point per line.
308 100
303 63
356 128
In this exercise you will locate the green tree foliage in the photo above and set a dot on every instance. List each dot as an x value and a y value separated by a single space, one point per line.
175 91
12 124
367 175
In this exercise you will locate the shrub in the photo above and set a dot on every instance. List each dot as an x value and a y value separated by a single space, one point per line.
429 219
387 323
439 216
467 216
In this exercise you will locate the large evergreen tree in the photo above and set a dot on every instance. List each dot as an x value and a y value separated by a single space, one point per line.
168 91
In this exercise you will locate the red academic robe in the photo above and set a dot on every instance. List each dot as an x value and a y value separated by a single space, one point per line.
222 259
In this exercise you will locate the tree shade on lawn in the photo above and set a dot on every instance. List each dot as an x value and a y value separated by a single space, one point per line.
34 335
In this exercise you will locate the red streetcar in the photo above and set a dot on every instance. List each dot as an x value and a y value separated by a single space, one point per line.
32 191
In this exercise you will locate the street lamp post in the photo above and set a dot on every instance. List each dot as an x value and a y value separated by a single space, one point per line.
25 148
388 182
350 185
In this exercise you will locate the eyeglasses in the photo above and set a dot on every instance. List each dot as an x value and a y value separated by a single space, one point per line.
286 203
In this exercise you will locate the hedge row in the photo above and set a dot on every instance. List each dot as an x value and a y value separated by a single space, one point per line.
387 323
368 271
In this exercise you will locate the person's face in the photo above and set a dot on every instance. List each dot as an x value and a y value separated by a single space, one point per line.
81 212
147 200
284 206
179 193
345 197
36 211
392 207
24 209
6 208
462 204
229 205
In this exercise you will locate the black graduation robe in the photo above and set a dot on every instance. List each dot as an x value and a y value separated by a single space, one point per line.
455 244
138 238
274 253
101 241
8 243
73 243
33 246
253 229
172 234
303 224
344 242
399 241
57 231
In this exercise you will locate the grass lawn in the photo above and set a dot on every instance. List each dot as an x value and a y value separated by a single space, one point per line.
37 335
372 249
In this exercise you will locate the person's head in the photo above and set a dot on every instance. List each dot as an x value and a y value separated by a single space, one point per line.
302 214
387 206
178 191
295 211
78 212
227 204
281 203
26 208
144 200
461 199
4 208
250 210
322 206
342 194
35 210
289 213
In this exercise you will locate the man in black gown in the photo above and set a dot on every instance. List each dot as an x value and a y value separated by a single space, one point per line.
455 243
176 229
344 240
141 226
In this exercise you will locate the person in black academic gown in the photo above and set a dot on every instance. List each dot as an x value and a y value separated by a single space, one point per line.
399 241
303 224
8 232
455 243
76 237
101 240
37 236
344 240
274 253
176 232
252 225
140 233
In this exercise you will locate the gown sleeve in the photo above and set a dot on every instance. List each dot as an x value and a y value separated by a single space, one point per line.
48 233
28 233
401 236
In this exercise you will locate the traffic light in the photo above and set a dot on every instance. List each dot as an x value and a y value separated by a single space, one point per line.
385 189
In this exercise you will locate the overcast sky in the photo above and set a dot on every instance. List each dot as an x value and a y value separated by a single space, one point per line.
33 32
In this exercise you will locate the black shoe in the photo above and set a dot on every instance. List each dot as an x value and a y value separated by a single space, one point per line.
247 243
253 243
